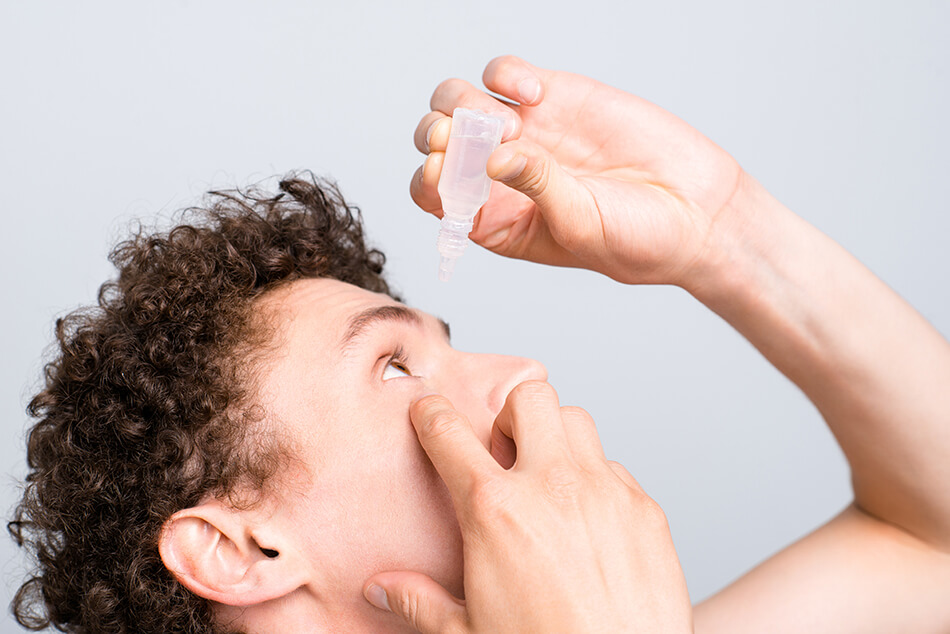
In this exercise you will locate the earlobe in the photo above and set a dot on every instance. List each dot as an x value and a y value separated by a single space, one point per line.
211 549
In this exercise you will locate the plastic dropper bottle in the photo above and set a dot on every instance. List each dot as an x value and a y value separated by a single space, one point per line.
464 185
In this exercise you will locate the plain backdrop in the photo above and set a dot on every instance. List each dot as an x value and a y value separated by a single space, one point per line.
124 110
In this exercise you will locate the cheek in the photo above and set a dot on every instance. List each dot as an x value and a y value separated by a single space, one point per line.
424 532
382 506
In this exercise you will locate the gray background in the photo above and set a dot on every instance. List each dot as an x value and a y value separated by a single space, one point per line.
114 111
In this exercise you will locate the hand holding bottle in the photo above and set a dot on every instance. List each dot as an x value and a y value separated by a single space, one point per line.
589 176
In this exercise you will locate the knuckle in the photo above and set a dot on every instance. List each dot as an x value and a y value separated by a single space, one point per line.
432 168
652 511
624 474
647 511
576 414
410 606
448 88
628 482
618 468
494 66
536 177
488 499
415 188
420 138
440 423
504 62
534 390
635 500
562 484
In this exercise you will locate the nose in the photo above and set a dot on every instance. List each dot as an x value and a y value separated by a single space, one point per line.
499 374
478 385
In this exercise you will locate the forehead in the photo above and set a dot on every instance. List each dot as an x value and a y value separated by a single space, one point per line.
326 303
328 312
305 322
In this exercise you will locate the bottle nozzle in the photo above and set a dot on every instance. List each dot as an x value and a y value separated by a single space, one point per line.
453 238
446 267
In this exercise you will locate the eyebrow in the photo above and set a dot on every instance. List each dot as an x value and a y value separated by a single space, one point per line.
363 321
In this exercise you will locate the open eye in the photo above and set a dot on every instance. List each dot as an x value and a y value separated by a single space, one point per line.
395 369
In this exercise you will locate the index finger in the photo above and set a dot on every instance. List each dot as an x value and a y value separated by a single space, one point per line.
457 93
451 444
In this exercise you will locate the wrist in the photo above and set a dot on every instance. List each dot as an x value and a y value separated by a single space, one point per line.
748 243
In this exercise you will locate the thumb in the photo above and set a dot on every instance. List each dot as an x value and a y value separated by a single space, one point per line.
418 599
530 169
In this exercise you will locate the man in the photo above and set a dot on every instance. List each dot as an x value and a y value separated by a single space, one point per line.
272 435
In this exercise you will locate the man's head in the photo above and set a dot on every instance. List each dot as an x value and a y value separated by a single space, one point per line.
227 434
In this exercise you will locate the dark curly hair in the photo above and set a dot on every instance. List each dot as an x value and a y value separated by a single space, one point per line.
146 408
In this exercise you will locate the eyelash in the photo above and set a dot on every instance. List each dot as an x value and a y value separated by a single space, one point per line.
399 360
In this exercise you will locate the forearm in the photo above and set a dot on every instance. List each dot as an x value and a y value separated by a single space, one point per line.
877 371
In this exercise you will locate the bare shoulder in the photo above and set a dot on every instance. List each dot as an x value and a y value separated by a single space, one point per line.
854 574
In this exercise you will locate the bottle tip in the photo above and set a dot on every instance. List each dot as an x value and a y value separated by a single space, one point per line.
446 267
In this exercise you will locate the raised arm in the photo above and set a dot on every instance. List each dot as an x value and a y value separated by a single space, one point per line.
876 370
880 375
600 179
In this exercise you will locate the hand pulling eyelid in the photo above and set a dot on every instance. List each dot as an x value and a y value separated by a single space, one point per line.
464 184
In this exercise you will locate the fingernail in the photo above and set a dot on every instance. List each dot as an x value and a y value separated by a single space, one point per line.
510 126
429 133
512 168
529 89
377 596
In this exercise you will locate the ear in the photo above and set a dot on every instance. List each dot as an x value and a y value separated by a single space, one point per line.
219 553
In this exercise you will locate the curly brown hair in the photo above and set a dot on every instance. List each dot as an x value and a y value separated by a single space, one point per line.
146 409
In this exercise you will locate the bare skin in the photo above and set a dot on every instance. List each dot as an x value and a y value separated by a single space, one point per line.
590 176
412 457
378 463
556 538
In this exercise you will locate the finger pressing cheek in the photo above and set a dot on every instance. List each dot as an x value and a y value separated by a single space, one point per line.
451 444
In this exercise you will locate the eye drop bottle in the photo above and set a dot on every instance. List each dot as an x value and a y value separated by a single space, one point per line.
464 185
